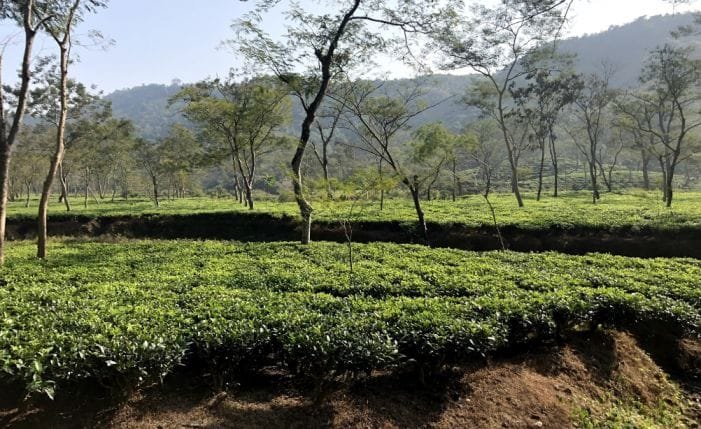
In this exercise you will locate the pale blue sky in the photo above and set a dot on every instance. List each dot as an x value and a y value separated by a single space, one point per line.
160 40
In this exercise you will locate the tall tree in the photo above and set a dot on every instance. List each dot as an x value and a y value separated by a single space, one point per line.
591 107
327 125
85 111
378 120
494 43
665 109
24 13
96 146
326 44
60 28
539 103
482 141
28 159
181 154
150 156
243 119
433 148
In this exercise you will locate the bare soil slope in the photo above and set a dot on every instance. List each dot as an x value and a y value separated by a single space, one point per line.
596 379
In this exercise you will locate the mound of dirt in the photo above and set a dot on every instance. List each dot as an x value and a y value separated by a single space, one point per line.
595 378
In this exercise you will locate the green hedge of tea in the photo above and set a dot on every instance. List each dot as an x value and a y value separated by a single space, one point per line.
632 210
125 312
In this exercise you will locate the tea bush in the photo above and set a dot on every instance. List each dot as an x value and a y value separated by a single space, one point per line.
132 311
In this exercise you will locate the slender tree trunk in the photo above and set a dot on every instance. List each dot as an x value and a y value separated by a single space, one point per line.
125 186
327 182
87 187
100 191
12 194
56 159
325 63
305 208
664 178
514 183
554 162
513 162
605 178
382 187
5 154
7 140
594 186
236 187
414 189
249 193
154 182
455 180
645 166
540 170
671 164
29 193
488 184
64 188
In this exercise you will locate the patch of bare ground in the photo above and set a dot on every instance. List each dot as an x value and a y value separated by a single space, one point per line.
603 379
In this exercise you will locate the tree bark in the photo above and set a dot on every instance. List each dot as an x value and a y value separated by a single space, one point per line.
325 63
664 178
154 182
87 188
556 177
56 158
64 188
514 182
305 208
671 166
540 170
646 175
554 162
249 194
29 193
8 140
64 45
594 186
513 162
414 189
5 155
455 180
325 168
382 187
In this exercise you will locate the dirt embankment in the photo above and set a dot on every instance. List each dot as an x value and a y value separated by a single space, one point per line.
605 377
684 242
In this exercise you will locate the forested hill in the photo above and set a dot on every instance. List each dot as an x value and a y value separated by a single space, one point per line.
624 48
147 107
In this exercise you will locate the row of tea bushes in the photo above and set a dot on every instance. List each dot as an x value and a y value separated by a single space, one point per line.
132 311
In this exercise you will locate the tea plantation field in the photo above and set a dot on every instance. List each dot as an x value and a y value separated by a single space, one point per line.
634 209
133 311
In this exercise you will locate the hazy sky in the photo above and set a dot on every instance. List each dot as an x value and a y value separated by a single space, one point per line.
160 40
